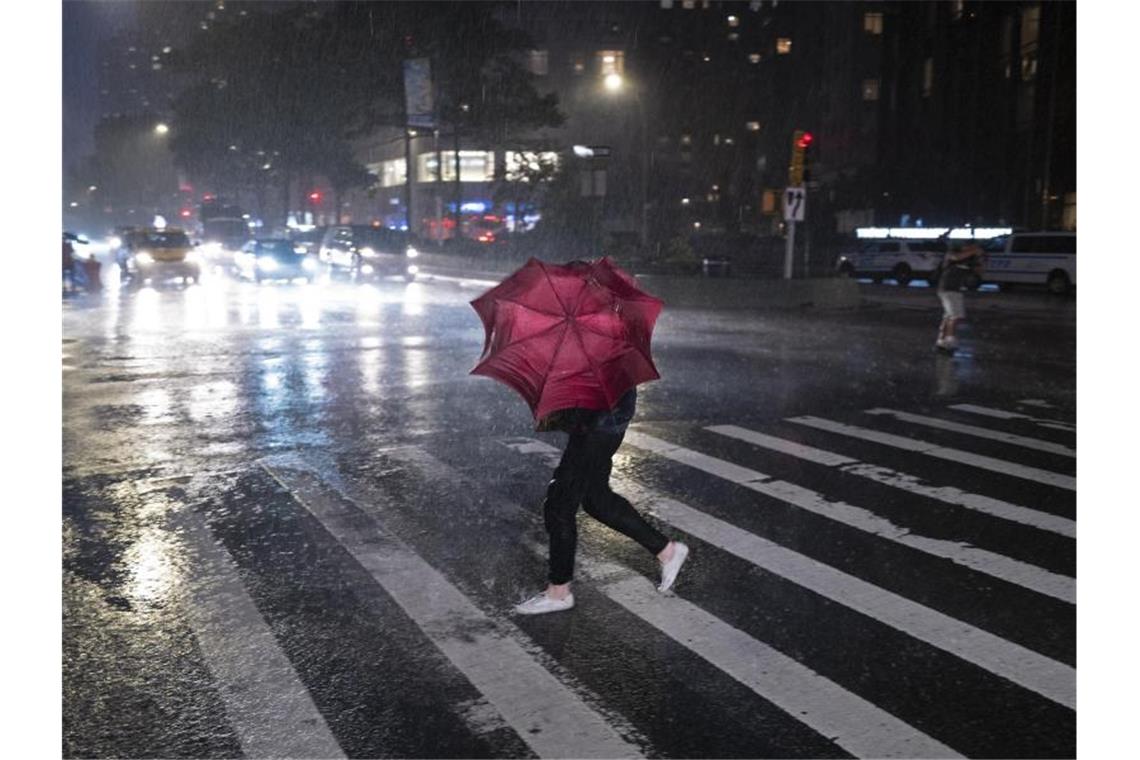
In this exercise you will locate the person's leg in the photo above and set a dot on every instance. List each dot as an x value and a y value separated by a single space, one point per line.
609 508
560 513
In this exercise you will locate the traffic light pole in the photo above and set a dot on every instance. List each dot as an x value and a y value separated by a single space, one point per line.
791 244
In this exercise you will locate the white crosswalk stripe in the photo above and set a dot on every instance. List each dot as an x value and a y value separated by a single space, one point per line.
995 435
1034 474
494 655
270 708
1052 679
903 481
981 560
852 722
1001 414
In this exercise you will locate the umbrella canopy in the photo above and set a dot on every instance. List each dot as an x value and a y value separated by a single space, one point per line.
569 335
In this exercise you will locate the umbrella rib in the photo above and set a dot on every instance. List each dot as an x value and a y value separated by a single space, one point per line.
550 282
533 336
531 308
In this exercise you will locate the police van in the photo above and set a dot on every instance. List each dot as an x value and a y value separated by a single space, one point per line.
1032 258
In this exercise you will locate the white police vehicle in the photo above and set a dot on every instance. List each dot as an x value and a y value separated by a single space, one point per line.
1033 258
903 254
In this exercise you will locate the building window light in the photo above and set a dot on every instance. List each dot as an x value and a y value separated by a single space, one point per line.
873 23
870 89
538 62
733 21
783 45
754 58
686 139
752 126
927 77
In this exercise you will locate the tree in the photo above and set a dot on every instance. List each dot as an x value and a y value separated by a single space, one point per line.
280 93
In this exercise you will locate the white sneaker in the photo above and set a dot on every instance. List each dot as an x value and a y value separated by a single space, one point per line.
540 604
670 569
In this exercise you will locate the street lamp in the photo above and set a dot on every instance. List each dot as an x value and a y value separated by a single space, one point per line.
612 82
161 129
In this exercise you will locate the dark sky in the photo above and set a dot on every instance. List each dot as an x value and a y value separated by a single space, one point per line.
85 24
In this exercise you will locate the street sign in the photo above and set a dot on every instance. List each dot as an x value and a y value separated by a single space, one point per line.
794 201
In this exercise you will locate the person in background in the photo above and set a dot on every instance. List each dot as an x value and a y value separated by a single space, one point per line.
68 265
583 477
956 270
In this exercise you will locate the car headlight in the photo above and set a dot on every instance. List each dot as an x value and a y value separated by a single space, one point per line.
300 249
366 269
367 252
308 264
144 258
412 252
413 269
114 241
268 263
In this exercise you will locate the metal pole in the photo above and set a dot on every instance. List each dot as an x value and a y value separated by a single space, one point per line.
408 179
791 244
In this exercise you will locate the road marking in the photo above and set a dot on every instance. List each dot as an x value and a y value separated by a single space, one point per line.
986 411
856 725
494 655
979 432
980 560
1013 469
268 705
1036 402
901 480
1031 670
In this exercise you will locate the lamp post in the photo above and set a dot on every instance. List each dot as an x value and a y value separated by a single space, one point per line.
614 83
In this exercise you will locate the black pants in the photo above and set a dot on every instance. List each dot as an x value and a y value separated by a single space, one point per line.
583 477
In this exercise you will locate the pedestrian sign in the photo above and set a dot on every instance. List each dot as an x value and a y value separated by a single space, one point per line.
794 201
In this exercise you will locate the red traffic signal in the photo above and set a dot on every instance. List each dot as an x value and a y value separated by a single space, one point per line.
315 196
805 140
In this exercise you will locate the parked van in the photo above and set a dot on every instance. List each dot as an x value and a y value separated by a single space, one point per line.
1033 258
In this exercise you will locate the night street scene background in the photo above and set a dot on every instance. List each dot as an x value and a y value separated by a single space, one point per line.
293 523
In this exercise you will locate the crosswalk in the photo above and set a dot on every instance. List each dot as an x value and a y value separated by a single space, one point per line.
875 583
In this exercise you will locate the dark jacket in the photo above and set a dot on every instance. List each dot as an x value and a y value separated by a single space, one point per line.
611 422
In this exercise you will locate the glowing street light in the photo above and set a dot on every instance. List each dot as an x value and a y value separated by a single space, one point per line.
161 129
612 82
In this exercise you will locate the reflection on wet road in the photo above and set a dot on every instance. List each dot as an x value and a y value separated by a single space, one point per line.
293 523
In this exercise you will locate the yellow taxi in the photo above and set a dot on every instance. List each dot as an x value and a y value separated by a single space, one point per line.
156 255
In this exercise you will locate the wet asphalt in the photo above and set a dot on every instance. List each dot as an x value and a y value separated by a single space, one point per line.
240 462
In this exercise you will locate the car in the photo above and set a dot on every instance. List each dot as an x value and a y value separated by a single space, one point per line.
901 260
362 250
310 240
1032 258
153 254
275 259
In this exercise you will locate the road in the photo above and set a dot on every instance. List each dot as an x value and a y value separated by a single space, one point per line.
294 526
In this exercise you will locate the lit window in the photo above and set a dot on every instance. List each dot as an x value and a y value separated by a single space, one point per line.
716 139
729 141
873 23
754 58
733 36
666 4
686 139
391 172
474 165
167 49
1028 67
538 62
783 45
752 126
578 63
956 9
927 77
870 89
733 21
1030 25
688 4
611 62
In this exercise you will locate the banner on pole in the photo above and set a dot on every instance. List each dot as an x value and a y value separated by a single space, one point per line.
417 92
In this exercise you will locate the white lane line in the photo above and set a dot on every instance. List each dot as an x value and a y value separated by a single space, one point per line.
1031 670
980 560
270 708
856 725
1013 469
495 656
1000 414
979 432
901 480
1036 402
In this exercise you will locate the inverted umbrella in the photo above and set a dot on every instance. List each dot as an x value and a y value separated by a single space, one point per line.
568 335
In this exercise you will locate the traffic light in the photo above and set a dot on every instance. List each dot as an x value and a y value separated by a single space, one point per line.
315 197
801 145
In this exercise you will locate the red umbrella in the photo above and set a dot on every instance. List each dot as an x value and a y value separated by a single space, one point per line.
569 335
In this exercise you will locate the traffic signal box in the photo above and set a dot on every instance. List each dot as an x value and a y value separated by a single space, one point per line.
797 170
